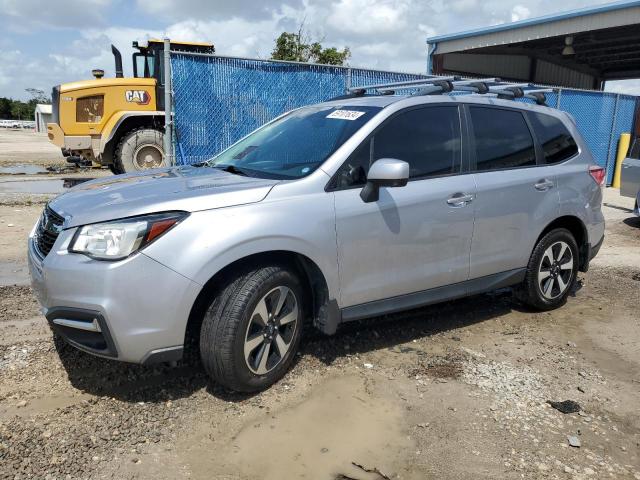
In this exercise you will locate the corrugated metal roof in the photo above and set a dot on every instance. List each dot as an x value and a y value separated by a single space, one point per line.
571 14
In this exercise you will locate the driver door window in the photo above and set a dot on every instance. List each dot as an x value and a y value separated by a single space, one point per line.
427 138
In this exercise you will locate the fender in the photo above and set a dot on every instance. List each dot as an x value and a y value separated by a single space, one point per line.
117 119
210 240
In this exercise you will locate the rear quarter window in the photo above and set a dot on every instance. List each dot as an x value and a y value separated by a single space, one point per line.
502 139
556 141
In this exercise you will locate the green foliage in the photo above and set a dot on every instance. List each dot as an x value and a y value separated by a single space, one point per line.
296 48
38 95
18 110
5 107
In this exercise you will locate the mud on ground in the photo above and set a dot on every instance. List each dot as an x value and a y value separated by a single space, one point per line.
457 390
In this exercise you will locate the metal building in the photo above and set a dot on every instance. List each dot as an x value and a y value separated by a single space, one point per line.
580 48
42 117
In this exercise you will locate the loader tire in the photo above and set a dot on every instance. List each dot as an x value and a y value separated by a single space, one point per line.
140 149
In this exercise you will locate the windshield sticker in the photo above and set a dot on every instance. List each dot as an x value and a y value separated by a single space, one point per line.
346 114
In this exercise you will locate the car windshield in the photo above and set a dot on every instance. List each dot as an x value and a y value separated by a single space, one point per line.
294 145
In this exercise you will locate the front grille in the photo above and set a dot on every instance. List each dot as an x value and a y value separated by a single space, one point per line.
49 227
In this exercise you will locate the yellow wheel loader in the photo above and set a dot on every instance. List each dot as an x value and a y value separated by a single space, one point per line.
118 122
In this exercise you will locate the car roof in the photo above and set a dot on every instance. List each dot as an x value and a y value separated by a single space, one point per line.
386 100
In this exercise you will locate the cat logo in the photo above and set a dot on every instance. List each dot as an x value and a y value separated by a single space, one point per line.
141 97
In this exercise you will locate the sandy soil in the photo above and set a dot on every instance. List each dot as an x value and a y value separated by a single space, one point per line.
27 147
457 390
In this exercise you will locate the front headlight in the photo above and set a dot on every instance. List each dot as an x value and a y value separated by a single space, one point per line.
119 239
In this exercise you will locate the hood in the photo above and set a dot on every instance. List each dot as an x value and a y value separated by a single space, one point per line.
184 188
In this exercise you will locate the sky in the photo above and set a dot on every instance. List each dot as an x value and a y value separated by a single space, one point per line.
48 42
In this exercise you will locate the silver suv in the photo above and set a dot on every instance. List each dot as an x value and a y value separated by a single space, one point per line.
330 213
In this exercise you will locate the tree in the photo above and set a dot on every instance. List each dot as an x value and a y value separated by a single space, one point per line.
19 110
16 109
297 47
5 108
38 95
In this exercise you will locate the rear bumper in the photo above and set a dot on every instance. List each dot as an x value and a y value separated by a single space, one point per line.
594 249
134 310
69 143
55 134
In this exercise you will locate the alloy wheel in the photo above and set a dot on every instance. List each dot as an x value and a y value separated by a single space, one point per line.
556 270
271 330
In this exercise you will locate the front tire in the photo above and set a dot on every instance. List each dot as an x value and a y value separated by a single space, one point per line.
252 329
140 149
114 169
551 272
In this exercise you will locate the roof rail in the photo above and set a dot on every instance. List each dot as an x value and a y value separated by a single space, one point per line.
405 84
434 85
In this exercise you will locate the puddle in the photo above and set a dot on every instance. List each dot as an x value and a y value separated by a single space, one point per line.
22 170
52 186
42 405
339 423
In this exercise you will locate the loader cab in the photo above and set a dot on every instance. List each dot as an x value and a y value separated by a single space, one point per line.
148 61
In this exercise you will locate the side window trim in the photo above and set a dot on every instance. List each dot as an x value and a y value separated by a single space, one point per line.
330 187
473 163
468 142
536 143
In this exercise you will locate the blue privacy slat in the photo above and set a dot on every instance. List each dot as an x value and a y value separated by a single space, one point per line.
623 124
218 100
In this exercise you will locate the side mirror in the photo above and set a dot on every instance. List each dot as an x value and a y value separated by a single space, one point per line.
386 172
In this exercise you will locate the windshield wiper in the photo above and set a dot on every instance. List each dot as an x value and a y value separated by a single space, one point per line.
232 169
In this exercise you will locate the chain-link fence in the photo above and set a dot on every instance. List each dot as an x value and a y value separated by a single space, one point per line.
601 118
218 100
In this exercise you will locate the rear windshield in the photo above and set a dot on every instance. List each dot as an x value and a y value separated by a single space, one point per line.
295 145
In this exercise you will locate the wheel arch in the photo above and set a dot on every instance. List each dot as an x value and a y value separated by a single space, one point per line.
122 125
579 231
323 312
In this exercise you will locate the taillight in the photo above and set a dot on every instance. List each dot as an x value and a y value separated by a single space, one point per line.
598 174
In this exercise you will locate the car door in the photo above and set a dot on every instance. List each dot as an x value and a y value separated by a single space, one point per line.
414 237
516 196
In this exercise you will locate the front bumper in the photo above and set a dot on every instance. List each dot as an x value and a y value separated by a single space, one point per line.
134 310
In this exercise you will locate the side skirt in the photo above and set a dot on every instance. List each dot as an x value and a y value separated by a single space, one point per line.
433 295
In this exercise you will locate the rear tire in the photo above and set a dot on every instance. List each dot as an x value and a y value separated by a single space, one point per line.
252 329
551 272
140 149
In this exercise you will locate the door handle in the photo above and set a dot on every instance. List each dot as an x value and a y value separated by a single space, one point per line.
544 185
459 200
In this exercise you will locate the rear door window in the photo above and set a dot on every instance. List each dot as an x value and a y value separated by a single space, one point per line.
556 141
502 139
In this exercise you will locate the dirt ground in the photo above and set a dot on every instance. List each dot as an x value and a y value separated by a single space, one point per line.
19 147
456 391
